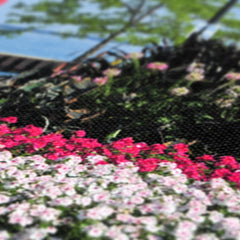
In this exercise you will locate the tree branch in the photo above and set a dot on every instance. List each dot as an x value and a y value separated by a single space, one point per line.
136 11
129 24
216 18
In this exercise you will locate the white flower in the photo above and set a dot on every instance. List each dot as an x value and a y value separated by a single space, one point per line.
96 230
215 216
5 156
20 218
207 236
50 214
185 230
101 196
134 55
4 198
99 213
4 235
180 91
62 201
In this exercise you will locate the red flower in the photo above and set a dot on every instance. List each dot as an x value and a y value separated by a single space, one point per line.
147 165
206 157
38 143
228 162
32 130
8 119
181 148
80 133
157 148
4 129
234 177
221 173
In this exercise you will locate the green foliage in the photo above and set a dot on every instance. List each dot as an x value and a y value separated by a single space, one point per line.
174 23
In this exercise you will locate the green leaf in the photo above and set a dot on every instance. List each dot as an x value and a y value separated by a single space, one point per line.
112 135
208 117
3 100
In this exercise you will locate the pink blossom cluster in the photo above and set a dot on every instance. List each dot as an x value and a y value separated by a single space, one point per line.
196 72
160 66
72 198
111 72
232 76
30 140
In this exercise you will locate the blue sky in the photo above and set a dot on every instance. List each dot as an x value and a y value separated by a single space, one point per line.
44 45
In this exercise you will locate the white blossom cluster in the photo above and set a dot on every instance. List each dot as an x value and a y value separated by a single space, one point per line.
38 200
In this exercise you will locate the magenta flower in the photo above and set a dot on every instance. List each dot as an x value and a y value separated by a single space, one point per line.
9 119
77 78
101 80
157 66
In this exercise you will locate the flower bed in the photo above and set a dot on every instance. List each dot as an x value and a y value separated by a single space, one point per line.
184 93
59 182
69 198
57 188
29 140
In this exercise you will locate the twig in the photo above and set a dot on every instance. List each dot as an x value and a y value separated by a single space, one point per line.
130 23
46 123
216 18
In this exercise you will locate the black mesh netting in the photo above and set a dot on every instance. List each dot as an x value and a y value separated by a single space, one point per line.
138 102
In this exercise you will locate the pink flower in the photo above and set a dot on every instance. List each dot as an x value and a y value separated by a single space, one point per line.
221 173
181 148
9 119
32 130
206 157
4 199
80 133
111 72
232 76
157 66
101 80
4 129
77 78
228 162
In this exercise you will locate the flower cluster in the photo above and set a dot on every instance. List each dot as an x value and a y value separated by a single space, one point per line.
69 198
233 91
111 72
180 91
196 72
160 66
100 80
232 76
29 140
225 103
